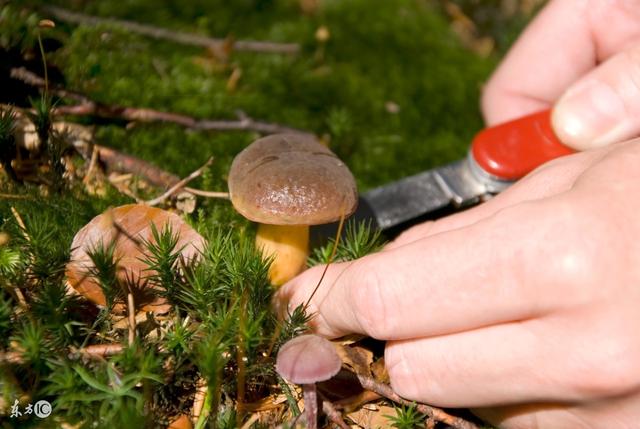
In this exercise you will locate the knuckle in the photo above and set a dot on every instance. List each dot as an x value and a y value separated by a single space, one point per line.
631 65
572 237
611 370
368 301
403 380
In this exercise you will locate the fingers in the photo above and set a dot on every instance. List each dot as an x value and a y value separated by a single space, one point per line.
604 106
619 413
497 365
554 51
566 40
478 275
550 179
556 358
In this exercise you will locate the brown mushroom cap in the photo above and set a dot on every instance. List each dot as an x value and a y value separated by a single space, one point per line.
128 227
291 179
308 359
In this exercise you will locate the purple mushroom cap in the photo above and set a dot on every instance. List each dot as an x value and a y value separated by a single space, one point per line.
308 359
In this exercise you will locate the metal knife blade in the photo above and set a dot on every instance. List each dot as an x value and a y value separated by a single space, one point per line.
414 196
498 156
393 205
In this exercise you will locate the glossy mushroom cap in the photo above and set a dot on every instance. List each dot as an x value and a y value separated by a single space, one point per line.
307 359
291 179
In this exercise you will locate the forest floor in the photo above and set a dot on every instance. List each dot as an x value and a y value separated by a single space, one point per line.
391 87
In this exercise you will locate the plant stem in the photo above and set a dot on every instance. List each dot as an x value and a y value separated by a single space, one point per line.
240 357
201 400
44 65
333 254
132 318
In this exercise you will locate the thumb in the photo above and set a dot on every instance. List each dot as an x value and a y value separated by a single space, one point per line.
603 107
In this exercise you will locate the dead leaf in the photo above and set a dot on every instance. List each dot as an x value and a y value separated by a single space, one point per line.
379 371
186 202
369 418
356 358
127 227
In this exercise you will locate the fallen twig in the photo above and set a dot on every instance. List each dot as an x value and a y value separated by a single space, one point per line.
92 164
16 289
175 36
198 400
15 197
207 194
370 383
333 414
100 350
172 190
88 107
131 312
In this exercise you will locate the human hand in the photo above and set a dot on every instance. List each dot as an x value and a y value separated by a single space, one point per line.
524 308
584 54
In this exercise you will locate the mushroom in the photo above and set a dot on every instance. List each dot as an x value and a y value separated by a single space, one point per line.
287 182
306 360
127 227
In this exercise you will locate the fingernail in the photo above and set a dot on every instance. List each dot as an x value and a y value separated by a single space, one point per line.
587 115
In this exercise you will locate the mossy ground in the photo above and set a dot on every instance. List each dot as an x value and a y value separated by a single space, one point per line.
393 90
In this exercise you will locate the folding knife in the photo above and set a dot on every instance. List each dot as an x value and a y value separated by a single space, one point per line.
498 156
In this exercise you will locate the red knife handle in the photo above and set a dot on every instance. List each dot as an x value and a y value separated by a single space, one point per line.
511 150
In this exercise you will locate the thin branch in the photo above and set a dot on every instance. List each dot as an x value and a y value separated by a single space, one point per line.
95 153
88 107
18 292
97 351
172 190
198 400
207 194
131 312
175 36
333 414
17 197
370 383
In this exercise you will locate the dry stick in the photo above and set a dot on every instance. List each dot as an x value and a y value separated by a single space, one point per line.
174 36
198 400
88 107
14 197
19 295
333 414
95 153
172 190
370 383
131 310
114 160
99 350
95 351
254 418
430 423
207 194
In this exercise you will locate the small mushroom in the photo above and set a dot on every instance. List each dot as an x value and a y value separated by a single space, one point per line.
306 360
287 182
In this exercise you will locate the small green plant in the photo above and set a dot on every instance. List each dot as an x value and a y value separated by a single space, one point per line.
360 239
407 417
7 142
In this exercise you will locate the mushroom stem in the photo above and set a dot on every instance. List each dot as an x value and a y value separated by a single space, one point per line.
310 397
288 245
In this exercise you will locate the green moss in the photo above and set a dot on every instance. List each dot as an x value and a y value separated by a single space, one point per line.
378 52
392 89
